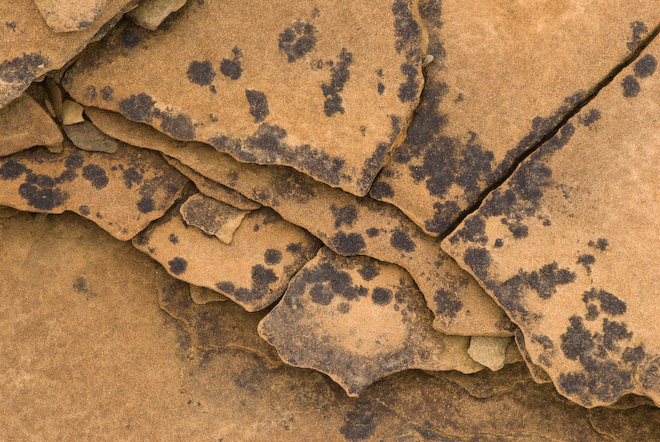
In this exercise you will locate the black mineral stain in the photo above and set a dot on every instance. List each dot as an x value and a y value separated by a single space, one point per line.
381 296
272 256
146 204
360 423
130 38
297 40
372 232
350 244
587 260
173 238
381 190
447 303
340 75
631 87
645 66
96 175
178 265
107 94
84 210
232 68
638 29
400 240
369 272
258 102
609 303
344 216
138 107
201 72
293 248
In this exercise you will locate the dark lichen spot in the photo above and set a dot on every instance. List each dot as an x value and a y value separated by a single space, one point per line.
400 240
498 243
381 296
20 70
146 204
177 125
546 280
638 29
297 40
587 260
173 238
344 308
258 102
340 75
344 216
350 244
177 265
130 38
320 294
369 272
645 66
406 28
609 303
447 304
40 192
11 170
201 73
381 190
293 248
577 340
262 277
138 107
633 355
107 94
473 231
11 25
381 88
84 210
81 285
232 68
95 175
408 89
590 118
372 232
478 260
600 244
272 256
360 423
131 176
631 87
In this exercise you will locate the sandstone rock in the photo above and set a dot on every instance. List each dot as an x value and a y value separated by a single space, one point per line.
24 124
212 217
72 113
151 13
86 136
202 295
68 15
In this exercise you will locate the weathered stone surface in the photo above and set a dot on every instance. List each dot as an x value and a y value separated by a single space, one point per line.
86 136
358 320
24 124
122 193
253 270
568 244
346 224
203 295
212 217
72 112
68 15
502 78
29 47
326 88
151 13
490 351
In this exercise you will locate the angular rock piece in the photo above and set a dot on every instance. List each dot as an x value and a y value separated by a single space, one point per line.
253 270
68 15
503 77
358 320
489 351
203 295
346 224
87 137
325 88
24 124
151 13
122 193
72 112
212 217
29 47
568 245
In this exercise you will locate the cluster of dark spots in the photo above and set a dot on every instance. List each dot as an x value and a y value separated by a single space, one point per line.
409 89
577 340
344 216
20 69
546 280
297 40
130 38
372 232
406 28
107 94
631 87
609 303
369 271
645 66
11 170
40 192
11 25
81 285
600 244
350 244
96 175
262 277
381 88
84 210
381 190
638 29
177 265
613 332
272 256
138 107
447 303
232 68
339 76
293 248
400 240
381 296
344 307
320 294
473 231
131 176
375 162
633 355
146 204
177 125
360 423
327 281
201 72
590 118
173 238
587 260
478 260
258 102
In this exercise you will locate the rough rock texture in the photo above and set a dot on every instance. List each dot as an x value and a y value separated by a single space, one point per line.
253 270
491 351
503 77
568 244
69 15
203 295
345 223
326 88
29 47
151 13
86 136
358 320
24 124
122 193
212 217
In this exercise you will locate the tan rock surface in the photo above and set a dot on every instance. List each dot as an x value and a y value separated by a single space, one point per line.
211 216
326 88
122 193
253 270
72 112
567 244
503 76
86 136
346 224
203 295
24 124
151 13
69 15
490 351
358 320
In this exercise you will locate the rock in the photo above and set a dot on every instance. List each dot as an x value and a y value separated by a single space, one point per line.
358 320
489 351
502 78
24 124
151 13
67 16
346 224
202 295
72 113
212 217
87 137
326 88
253 270
122 193
567 245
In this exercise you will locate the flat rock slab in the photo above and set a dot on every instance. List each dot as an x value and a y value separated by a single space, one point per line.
358 320
253 270
568 244
29 47
502 78
24 124
70 15
325 88
151 13
122 193
347 224
212 217
86 136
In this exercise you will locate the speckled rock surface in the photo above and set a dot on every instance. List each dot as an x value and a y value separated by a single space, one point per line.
326 88
212 217
567 244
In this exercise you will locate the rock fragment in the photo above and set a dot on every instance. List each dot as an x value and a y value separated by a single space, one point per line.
212 217
151 13
24 124
68 16
87 137
203 295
